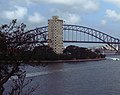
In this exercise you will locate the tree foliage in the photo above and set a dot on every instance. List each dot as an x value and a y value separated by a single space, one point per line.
9 33
80 52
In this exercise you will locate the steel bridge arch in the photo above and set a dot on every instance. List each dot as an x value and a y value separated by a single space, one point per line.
105 38
93 32
41 35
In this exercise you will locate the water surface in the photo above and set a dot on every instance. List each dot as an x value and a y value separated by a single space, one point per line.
78 78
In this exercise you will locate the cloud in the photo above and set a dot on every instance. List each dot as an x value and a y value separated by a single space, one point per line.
116 2
113 15
71 18
90 5
36 18
110 15
17 13
103 22
81 5
68 17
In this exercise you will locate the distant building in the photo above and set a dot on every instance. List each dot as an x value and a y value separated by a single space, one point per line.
55 34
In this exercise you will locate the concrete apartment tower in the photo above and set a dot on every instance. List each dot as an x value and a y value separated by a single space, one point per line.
55 34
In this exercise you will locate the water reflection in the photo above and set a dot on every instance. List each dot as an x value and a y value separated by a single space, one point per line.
54 86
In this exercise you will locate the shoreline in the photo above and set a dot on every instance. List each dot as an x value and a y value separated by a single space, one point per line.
74 60
54 61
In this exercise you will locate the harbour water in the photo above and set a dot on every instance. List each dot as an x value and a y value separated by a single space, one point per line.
76 78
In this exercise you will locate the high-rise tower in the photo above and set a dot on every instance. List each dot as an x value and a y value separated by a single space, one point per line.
55 34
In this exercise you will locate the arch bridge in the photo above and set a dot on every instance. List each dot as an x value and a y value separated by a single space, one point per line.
71 34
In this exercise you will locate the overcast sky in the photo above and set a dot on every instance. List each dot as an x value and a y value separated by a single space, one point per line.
103 15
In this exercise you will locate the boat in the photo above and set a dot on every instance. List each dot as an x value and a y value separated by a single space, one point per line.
116 59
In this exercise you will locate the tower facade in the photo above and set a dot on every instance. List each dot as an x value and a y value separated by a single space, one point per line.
55 34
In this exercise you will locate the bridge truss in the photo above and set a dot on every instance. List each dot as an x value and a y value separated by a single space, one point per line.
71 34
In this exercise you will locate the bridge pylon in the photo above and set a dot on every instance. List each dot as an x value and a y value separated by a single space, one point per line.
119 48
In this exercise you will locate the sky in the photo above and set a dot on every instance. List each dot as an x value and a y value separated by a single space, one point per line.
102 15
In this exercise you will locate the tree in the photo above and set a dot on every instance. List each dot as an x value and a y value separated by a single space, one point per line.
80 52
97 51
12 50
3 46
8 33
20 83
43 53
5 74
